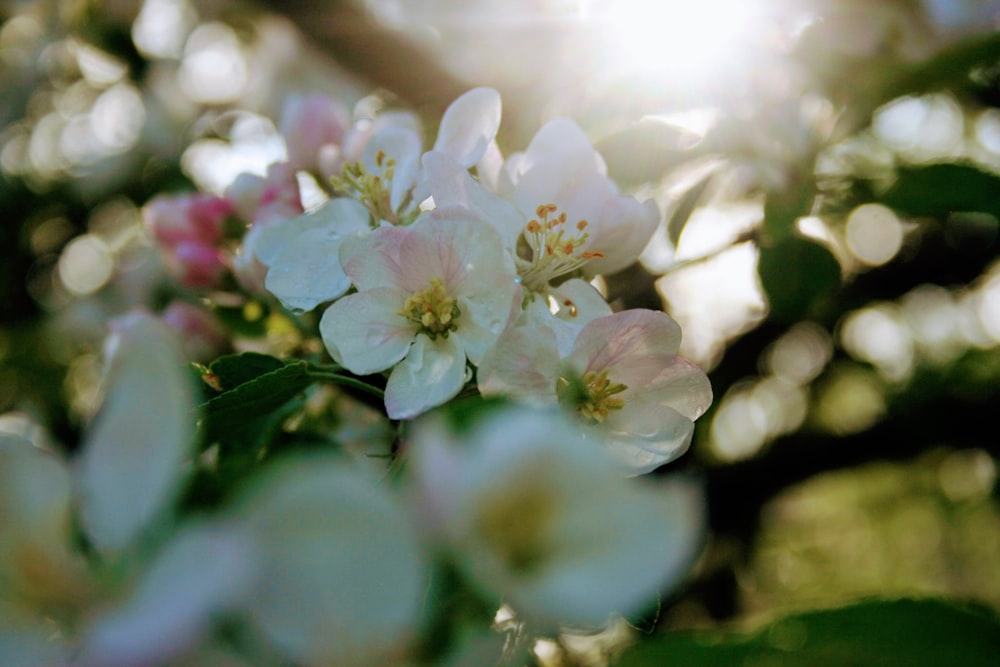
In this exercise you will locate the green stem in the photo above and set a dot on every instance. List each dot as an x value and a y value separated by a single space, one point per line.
346 381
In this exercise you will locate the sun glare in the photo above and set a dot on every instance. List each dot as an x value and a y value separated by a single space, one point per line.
675 39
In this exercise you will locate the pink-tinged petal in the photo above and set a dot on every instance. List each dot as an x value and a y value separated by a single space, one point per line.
441 249
401 145
432 374
371 260
680 384
308 272
468 126
136 449
308 124
633 345
624 230
453 186
367 330
524 364
644 436
202 572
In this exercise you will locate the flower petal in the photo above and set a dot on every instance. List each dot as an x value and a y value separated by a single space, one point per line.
524 364
308 271
432 373
202 572
136 448
453 186
367 330
468 126
342 574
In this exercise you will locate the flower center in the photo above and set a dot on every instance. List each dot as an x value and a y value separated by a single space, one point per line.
373 191
432 310
547 249
593 395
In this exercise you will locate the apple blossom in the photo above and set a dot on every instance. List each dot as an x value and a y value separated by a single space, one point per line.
534 514
622 376
430 297
556 210
341 574
311 126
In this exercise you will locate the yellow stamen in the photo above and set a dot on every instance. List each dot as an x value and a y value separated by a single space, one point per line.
432 310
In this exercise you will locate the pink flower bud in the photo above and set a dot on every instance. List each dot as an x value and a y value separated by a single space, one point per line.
202 334
275 196
310 124
195 217
198 265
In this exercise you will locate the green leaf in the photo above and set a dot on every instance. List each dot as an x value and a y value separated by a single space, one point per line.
233 370
914 633
796 275
233 411
940 189
782 209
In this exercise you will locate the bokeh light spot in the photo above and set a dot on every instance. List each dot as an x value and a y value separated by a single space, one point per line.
874 234
85 265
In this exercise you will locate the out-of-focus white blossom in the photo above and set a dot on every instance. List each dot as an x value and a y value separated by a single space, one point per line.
341 576
535 514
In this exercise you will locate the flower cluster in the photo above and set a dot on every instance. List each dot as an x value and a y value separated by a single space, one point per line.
426 277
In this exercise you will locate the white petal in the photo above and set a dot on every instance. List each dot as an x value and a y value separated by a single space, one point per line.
135 449
540 517
643 439
452 186
468 126
633 344
29 643
524 365
401 144
342 574
432 373
579 305
308 271
35 491
204 571
342 216
624 230
367 330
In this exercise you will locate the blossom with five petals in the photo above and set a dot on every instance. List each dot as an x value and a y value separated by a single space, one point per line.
535 514
555 208
622 376
430 297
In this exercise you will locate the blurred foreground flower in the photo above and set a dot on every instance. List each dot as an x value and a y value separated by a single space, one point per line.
538 516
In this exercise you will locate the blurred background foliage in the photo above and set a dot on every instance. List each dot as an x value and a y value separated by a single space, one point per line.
829 173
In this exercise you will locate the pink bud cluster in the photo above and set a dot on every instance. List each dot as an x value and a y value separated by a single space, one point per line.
189 228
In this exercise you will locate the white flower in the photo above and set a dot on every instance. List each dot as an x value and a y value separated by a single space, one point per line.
534 515
304 254
430 297
122 483
556 210
341 576
622 376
